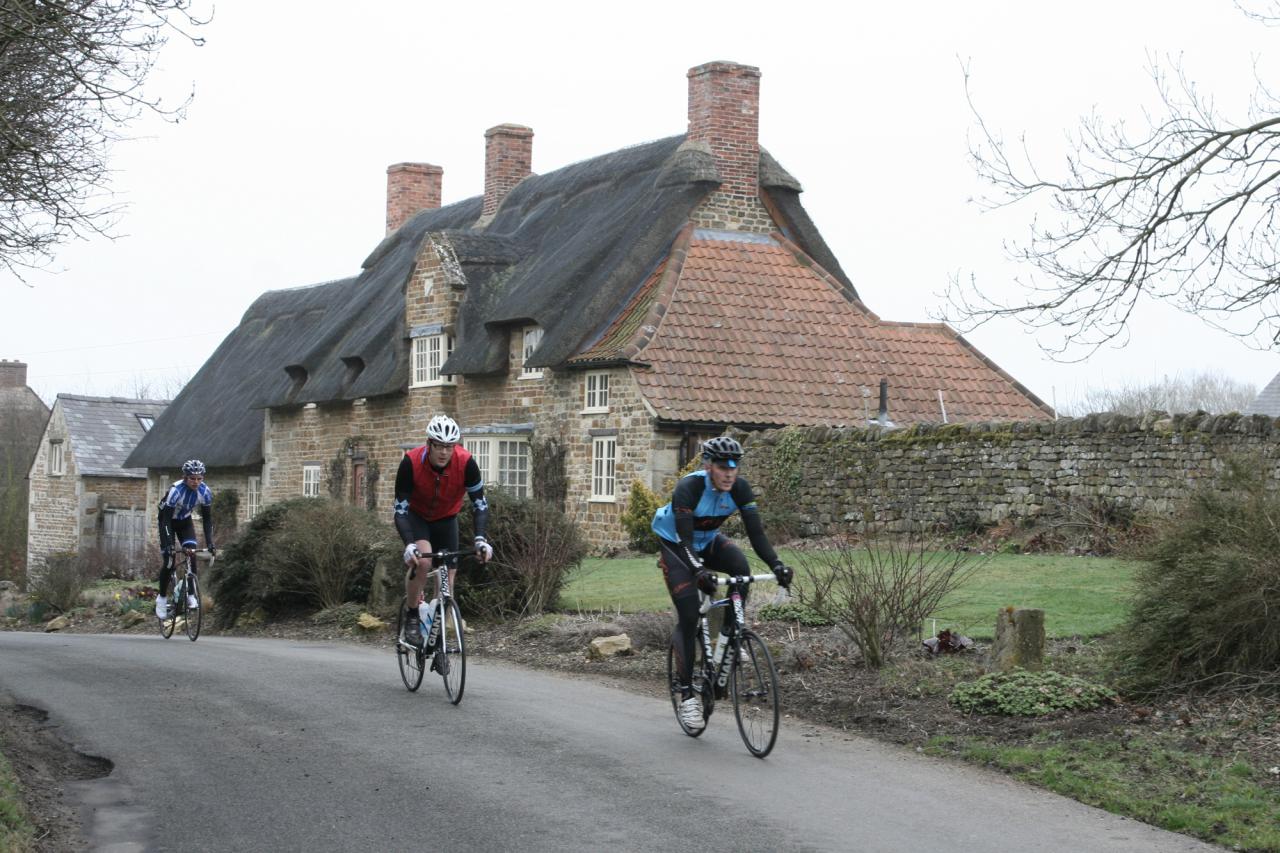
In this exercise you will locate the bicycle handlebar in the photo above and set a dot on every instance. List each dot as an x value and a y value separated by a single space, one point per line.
435 556
743 579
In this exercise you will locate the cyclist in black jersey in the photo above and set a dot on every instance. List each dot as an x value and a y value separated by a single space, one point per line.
692 548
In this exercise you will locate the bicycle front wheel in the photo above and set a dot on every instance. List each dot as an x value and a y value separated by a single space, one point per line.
409 658
755 693
451 653
193 614
167 623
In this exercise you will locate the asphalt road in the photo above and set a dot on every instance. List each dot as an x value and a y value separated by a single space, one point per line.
246 745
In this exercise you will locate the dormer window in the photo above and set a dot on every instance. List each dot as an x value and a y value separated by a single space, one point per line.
532 337
146 422
430 352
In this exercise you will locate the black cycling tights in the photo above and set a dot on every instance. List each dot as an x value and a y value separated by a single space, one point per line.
721 556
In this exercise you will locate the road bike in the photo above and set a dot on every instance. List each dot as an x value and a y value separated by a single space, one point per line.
445 645
187 585
740 666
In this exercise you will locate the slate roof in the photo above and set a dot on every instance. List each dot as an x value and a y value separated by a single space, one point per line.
103 431
1268 400
749 330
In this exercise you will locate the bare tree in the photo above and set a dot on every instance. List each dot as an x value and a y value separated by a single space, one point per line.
1183 209
71 78
1209 391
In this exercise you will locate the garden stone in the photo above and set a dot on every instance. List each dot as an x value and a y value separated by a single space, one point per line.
369 623
133 617
57 624
607 647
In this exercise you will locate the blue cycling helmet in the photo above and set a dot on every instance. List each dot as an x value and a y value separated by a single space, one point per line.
192 466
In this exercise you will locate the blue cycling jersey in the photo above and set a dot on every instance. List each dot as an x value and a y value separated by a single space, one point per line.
710 508
184 499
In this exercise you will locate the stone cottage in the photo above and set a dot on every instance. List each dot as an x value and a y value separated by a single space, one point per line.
83 499
22 419
586 327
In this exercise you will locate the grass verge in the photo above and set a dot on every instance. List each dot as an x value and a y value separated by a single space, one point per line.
16 832
1144 776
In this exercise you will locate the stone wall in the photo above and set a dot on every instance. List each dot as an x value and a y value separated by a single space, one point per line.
965 473
53 499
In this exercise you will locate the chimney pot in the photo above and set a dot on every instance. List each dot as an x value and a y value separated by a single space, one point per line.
411 187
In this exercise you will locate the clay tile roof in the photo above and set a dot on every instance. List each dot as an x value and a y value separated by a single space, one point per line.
755 332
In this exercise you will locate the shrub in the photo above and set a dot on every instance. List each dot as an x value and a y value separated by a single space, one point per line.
792 611
1020 693
326 551
1206 612
64 578
877 590
535 547
303 553
637 520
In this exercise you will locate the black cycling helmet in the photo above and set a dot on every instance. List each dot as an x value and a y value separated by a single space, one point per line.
193 466
722 449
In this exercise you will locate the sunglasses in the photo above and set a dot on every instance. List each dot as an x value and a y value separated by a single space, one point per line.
439 444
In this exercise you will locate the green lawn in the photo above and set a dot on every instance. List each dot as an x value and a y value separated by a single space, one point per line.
1084 596
15 830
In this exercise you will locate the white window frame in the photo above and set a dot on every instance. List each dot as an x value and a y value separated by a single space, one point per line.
493 452
146 422
57 457
311 481
604 469
531 337
595 392
430 352
253 497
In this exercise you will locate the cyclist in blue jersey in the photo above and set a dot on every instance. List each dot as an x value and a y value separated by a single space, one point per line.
178 525
692 549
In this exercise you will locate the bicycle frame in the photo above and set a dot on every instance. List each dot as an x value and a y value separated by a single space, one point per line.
717 661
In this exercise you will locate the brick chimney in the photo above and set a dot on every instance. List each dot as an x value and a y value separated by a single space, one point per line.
13 374
724 113
508 160
411 187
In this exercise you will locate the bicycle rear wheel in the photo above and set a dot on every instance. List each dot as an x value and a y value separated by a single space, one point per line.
700 687
193 614
451 653
410 659
755 693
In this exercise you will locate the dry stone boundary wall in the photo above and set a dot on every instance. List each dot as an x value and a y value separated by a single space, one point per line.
838 478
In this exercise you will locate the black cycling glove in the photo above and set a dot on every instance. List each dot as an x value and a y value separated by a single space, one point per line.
784 574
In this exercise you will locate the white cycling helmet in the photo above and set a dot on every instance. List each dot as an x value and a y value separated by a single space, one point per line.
444 429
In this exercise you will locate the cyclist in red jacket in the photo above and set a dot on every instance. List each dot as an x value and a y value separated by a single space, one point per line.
430 484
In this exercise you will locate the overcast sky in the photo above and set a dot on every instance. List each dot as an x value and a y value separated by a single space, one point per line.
277 176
